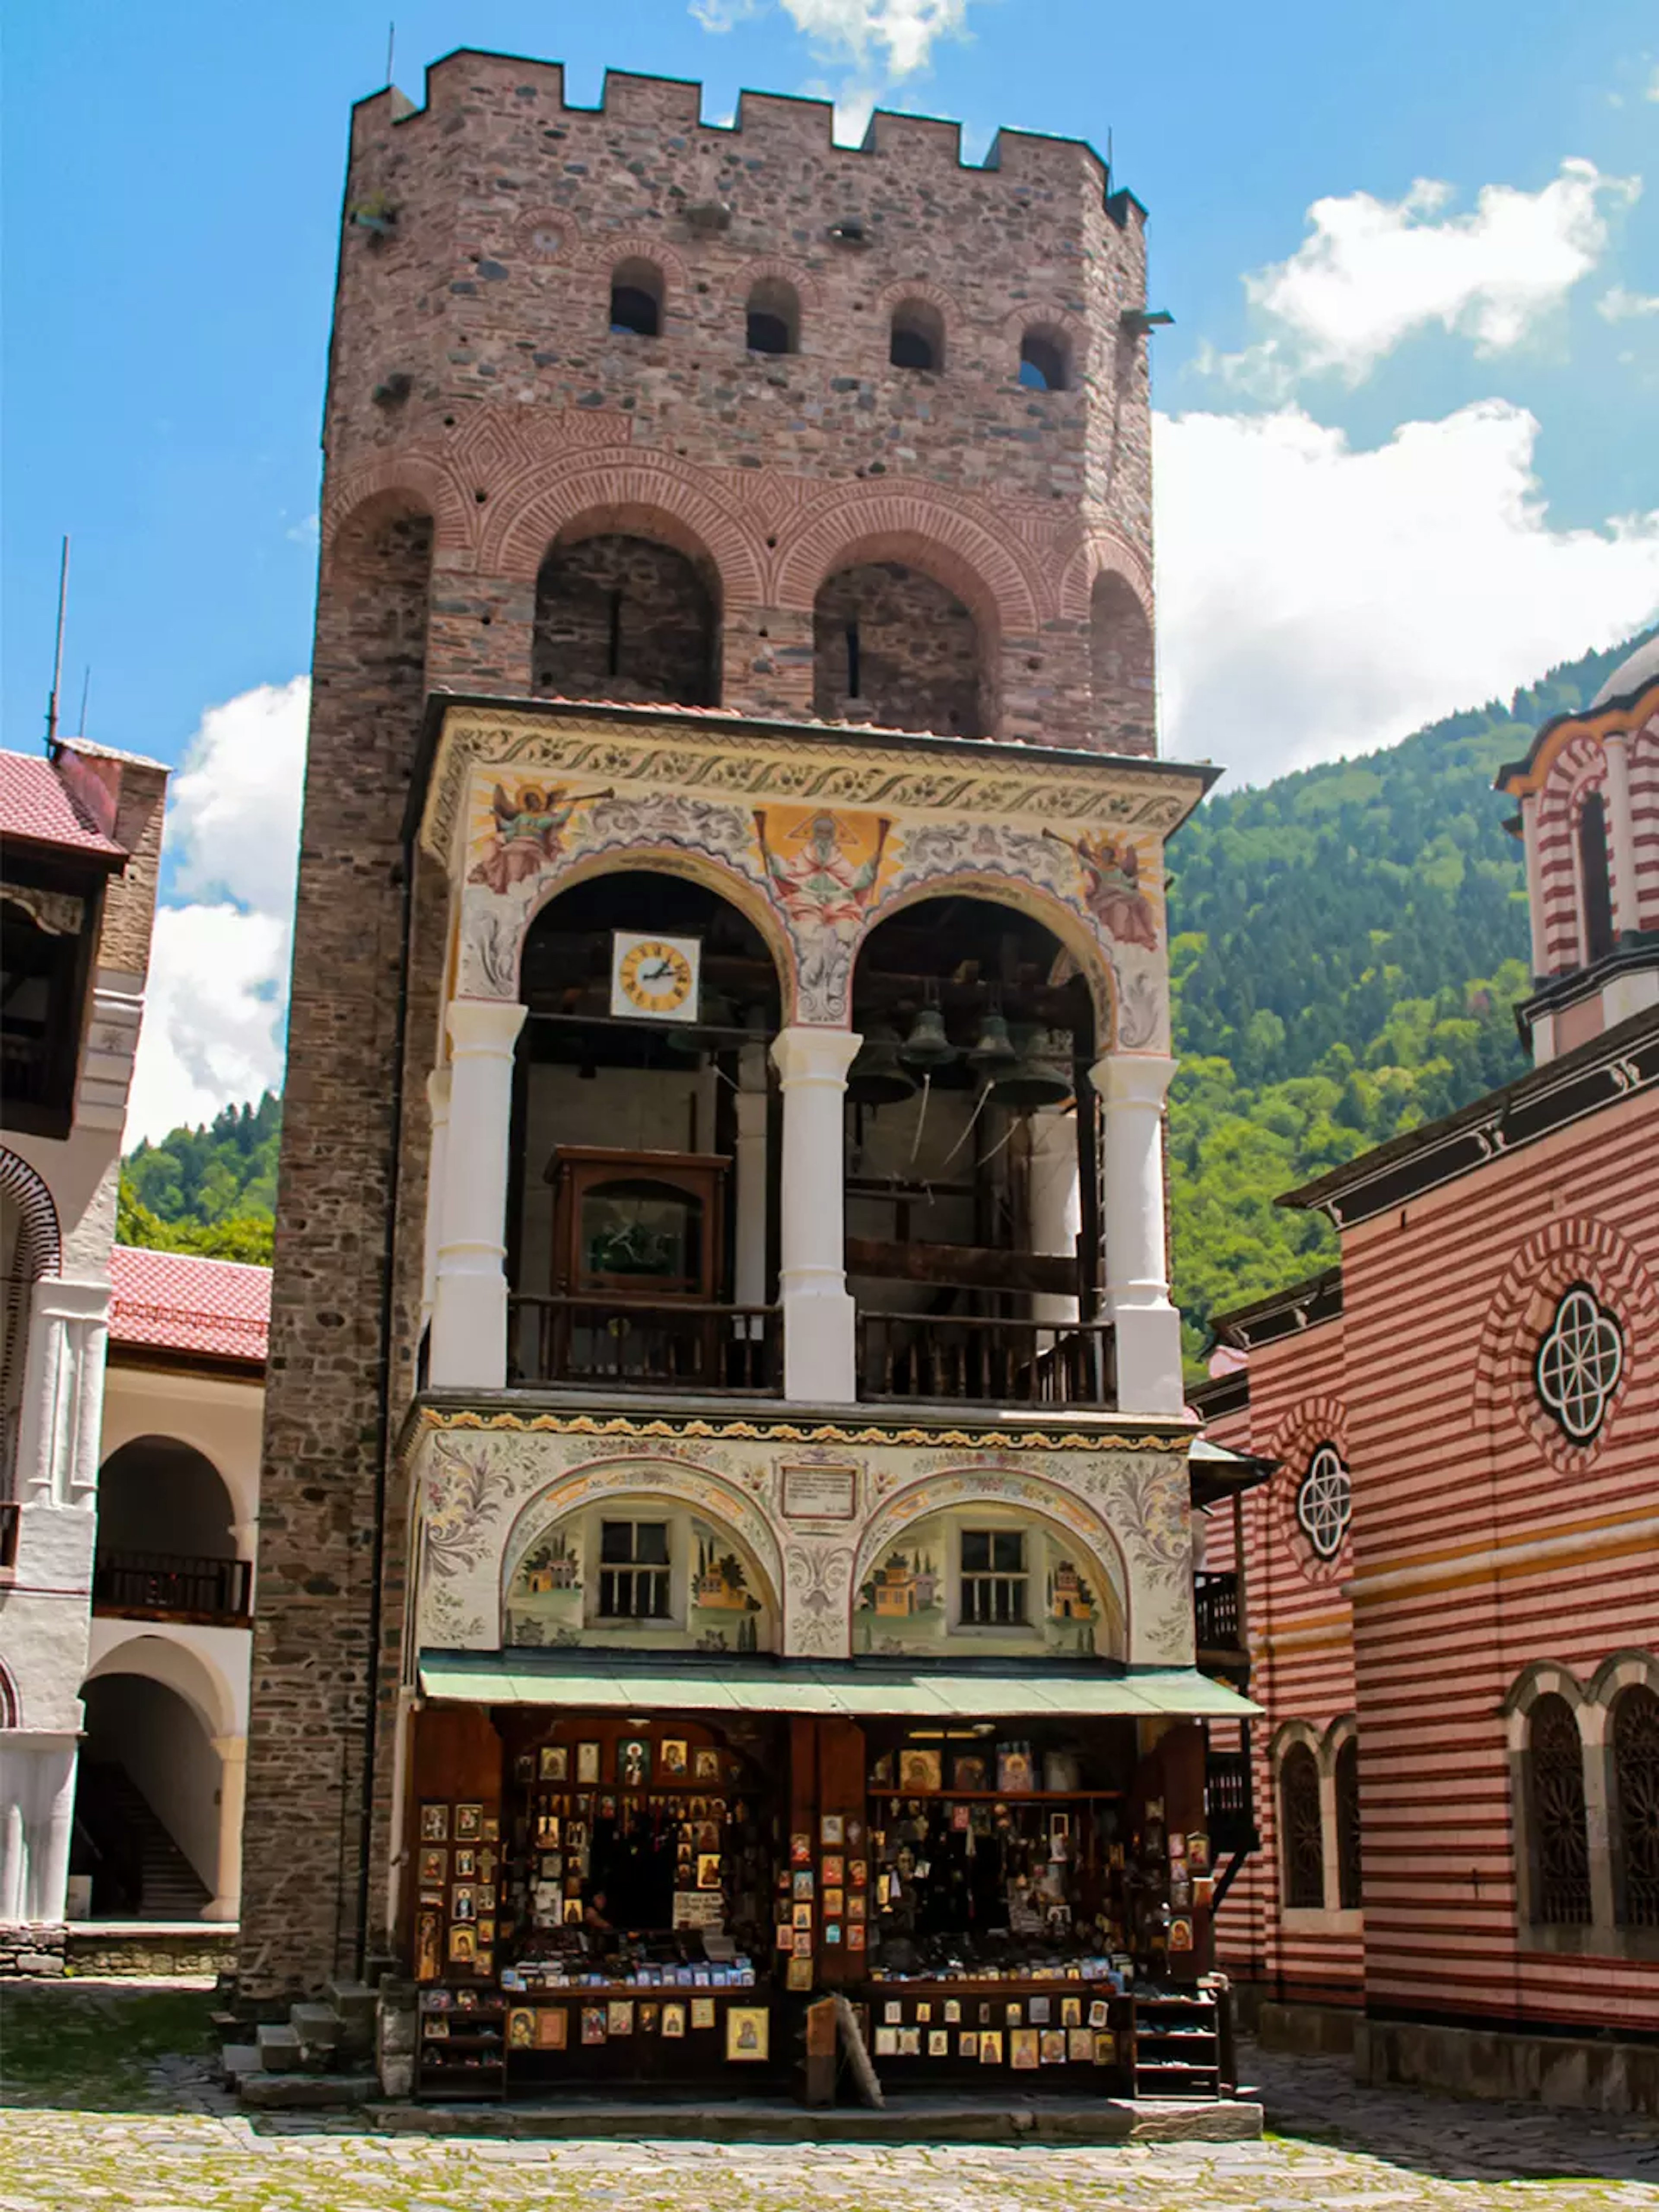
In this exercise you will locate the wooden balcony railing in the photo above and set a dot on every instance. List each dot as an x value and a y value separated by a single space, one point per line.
1229 1809
165 1585
1215 1611
643 1344
985 1362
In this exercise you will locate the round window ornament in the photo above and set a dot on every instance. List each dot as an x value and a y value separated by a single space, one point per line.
1580 1360
1324 1502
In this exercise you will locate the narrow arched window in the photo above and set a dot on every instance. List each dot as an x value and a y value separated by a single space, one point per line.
1636 1807
917 337
636 300
772 318
1555 1811
1593 875
1348 1889
1301 1830
1043 362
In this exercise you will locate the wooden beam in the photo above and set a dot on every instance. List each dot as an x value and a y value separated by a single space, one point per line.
962 1267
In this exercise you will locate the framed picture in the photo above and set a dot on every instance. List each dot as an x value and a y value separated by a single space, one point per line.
952 2012
967 2043
486 1930
834 1870
1016 1775
1025 2048
918 1770
434 1824
968 1772
855 1933
673 2022
675 1756
708 1870
592 2023
633 1762
990 2046
1071 2012
555 1764
1180 1933
1198 1852
466 1864
909 2043
887 2043
607 1808
832 1931
1203 1890
463 1902
748 2033
1099 2014
521 2028
588 1762
800 1882
619 2016
1054 2046
523 1767
547 1829
856 1901
802 1941
703 2012
801 1915
800 1851
857 1873
434 1864
923 2012
463 1946
572 1913
1079 2045
469 1824
1037 2012
799 1975
550 2028
834 1903
1105 2050
492 1829
1177 1847
1013 2016
428 1929
705 1764
854 1831
832 1829
939 2042
486 1897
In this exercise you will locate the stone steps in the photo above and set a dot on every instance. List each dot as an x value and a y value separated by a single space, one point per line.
322 2055
293 2093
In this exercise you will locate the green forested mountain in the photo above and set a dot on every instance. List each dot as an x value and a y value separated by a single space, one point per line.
1349 942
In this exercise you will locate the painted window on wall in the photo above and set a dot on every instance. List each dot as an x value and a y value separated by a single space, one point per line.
1560 1843
1324 1502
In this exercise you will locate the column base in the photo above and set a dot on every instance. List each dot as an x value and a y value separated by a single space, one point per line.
1149 1378
820 1356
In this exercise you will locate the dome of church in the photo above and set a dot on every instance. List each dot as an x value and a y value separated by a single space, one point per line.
1637 669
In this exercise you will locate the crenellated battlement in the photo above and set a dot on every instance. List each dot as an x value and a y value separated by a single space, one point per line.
772 126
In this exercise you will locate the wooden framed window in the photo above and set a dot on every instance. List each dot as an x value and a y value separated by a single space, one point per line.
634 1570
1555 1809
1301 1830
1349 1894
993 1578
1635 1740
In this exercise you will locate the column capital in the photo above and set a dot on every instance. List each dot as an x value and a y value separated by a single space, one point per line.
232 1749
804 1054
1133 1078
484 1028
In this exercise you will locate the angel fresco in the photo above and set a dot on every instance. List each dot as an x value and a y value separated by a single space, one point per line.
1111 887
821 881
529 832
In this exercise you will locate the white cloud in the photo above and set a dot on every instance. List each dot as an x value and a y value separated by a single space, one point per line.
215 1001
1375 271
900 32
1618 306
1317 599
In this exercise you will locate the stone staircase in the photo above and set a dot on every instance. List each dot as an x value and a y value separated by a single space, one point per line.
125 1825
322 2054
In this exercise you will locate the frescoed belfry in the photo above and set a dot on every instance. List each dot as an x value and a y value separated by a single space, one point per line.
721 1347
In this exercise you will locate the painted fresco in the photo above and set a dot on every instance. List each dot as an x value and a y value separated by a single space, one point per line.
717 1603
909 1602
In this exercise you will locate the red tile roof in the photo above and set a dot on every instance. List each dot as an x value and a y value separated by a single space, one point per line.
35 807
174 1302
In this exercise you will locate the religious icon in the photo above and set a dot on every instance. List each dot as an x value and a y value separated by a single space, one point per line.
521 2027
803 1942
708 1870
967 2043
523 1767
747 2031
1181 1934
469 1823
703 2012
1198 1852
466 1864
588 1762
551 2028
434 1824
529 834
834 1867
990 2046
834 1903
822 867
619 2016
1105 2050
426 1940
1071 2012
832 1931
831 1830
486 1930
799 1974
857 1873
633 1763
801 1917
856 1903
800 1851
434 1864
555 1762
674 1750
855 1935
939 2042
800 1881
1054 2046
1025 2047
1079 2043
705 1764
887 2043
592 2023
968 1772
918 1770
462 1904
673 2022
463 1946
1016 1775
1111 886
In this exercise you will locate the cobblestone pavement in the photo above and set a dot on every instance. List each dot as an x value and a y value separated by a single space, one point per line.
176 2143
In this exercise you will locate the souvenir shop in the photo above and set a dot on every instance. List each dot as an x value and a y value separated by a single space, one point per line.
598 1898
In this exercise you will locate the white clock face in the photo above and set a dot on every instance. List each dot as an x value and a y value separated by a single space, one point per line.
654 977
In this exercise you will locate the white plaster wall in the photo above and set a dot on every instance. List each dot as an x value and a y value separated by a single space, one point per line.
209 1667
221 1417
165 1749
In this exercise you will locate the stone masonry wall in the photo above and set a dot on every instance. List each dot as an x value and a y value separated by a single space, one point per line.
918 652
622 618
480 410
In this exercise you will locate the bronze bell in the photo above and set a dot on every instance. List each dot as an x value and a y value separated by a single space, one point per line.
1036 1078
876 1078
928 1046
996 1049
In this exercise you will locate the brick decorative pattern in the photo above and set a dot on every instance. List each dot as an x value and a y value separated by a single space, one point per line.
481 413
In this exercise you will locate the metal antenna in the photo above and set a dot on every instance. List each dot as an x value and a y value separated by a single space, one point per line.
86 686
391 43
58 660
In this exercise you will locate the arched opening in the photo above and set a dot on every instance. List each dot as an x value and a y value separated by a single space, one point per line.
1349 1884
1044 362
1634 1742
1120 667
166 1543
45 954
1557 1829
772 318
1593 877
146 1802
1301 1830
643 1212
916 337
619 616
1016 1580
891 645
973 1208
636 298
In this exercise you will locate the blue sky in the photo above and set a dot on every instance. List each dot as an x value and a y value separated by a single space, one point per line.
1327 575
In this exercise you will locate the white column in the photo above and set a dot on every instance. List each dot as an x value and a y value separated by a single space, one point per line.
469 1313
1621 834
820 1357
49 1858
1534 881
437 1099
749 1268
64 1391
1131 1087
233 1792
1056 1202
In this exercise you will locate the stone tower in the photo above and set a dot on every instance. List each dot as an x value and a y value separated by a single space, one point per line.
624 407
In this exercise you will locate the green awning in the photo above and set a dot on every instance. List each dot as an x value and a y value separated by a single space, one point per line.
847 1689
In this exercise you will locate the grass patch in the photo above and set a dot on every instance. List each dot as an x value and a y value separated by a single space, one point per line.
92 2050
